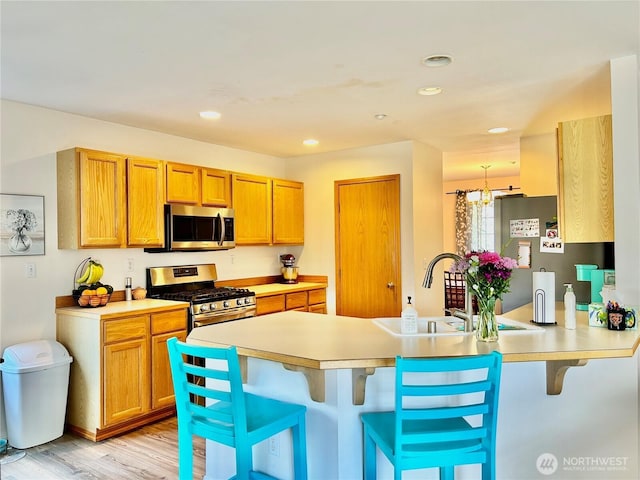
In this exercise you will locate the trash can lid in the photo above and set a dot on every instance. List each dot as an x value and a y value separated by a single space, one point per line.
34 356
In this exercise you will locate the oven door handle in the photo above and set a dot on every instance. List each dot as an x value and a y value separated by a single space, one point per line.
225 317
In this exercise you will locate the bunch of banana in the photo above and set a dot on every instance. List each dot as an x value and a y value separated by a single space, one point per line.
92 272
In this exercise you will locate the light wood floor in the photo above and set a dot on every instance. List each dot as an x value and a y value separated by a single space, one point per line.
149 453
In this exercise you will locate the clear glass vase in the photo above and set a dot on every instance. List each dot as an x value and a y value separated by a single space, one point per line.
20 242
487 326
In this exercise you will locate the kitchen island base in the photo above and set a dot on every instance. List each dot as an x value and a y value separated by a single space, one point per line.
594 421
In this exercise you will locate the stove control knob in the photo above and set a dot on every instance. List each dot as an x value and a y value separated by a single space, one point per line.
225 304
204 307
247 301
212 306
239 302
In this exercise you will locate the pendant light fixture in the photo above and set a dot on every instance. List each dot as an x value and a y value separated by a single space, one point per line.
486 196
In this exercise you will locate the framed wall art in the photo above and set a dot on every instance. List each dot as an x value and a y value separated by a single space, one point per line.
21 224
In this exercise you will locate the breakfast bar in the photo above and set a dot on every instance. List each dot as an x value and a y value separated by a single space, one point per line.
342 366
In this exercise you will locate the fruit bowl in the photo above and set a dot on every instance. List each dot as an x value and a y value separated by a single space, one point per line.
91 300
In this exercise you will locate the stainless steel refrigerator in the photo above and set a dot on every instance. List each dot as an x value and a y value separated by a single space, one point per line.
522 210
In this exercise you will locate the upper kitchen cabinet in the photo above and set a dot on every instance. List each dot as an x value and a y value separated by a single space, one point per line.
216 187
585 193
145 200
91 199
183 183
194 185
288 212
252 206
268 211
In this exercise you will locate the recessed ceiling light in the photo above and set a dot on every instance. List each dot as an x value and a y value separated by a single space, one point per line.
437 60
310 142
498 130
210 115
429 91
380 116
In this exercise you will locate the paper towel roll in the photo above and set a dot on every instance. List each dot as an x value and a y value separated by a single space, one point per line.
544 297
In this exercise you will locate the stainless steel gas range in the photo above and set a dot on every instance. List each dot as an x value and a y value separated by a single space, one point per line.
195 284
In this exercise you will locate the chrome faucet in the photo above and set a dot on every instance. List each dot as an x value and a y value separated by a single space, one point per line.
467 313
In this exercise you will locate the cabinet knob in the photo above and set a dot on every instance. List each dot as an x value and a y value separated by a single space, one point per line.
390 285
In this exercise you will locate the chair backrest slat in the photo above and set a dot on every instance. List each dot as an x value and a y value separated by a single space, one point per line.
459 389
220 384
447 390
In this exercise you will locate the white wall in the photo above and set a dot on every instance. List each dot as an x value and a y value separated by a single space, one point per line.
420 169
31 136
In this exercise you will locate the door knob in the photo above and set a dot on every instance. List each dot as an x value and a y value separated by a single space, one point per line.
390 285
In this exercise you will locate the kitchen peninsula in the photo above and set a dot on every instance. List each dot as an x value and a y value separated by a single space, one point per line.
345 362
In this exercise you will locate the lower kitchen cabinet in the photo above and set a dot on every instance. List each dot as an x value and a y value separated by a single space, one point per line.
120 377
164 326
309 300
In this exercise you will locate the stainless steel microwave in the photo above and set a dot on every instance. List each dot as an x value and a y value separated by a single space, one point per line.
188 228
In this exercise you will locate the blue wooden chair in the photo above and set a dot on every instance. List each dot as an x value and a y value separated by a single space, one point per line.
457 428
231 417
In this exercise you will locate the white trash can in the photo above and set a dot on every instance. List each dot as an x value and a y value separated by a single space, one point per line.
35 382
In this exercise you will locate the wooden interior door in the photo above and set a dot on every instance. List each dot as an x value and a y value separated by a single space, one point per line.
368 278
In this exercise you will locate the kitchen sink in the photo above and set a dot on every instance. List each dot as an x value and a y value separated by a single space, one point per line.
447 326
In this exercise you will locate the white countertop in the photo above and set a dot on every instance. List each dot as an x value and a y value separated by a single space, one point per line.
329 341
279 288
116 309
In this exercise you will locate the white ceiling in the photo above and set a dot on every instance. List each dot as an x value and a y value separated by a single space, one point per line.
280 72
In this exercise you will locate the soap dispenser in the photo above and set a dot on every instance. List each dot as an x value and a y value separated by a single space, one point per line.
409 319
569 308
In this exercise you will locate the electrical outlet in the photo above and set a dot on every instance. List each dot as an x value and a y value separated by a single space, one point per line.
30 270
130 265
274 446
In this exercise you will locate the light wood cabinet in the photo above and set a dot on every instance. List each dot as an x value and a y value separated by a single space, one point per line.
216 187
120 377
268 211
252 206
585 193
91 199
318 300
306 301
194 185
288 212
164 326
125 365
183 183
106 200
145 200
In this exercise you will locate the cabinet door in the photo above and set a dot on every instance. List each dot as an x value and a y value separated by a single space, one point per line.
161 382
585 196
252 205
296 301
183 183
125 380
216 187
145 200
102 202
288 212
270 304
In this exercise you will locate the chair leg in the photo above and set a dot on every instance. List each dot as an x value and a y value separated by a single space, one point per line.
447 472
489 470
185 454
244 462
299 434
369 457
